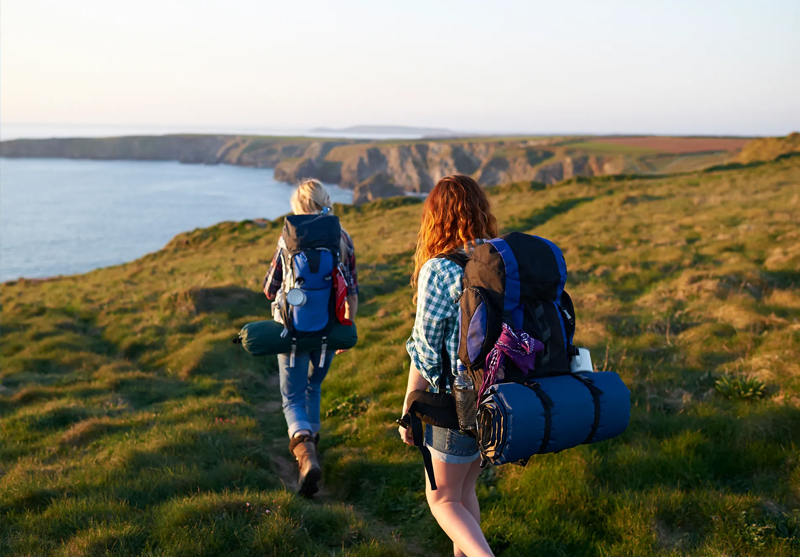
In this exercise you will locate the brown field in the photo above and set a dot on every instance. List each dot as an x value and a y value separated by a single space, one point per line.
678 144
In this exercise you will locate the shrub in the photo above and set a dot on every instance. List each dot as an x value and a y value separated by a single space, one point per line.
741 388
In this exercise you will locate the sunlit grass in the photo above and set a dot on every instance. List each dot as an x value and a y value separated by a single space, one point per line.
131 425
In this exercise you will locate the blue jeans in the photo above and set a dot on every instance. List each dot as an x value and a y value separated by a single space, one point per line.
301 389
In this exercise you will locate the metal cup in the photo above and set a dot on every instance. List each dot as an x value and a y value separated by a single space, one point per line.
296 297
582 361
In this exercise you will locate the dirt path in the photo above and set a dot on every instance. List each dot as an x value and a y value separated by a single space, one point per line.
286 469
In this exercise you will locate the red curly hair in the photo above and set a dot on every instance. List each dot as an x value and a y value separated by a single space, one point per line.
455 214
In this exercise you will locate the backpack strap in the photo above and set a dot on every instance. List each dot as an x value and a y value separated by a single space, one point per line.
546 333
286 282
419 442
446 376
547 404
456 257
595 392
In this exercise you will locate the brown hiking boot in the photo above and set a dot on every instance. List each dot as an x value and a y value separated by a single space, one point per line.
305 451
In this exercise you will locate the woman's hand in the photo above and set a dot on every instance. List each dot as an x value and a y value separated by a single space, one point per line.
405 432
415 383
405 435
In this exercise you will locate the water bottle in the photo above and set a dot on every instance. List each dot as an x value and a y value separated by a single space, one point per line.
466 399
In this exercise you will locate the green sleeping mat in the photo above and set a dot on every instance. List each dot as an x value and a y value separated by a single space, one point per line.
263 338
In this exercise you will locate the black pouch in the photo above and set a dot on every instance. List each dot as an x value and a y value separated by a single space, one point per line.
437 409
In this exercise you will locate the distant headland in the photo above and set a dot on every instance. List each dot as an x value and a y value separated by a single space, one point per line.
391 130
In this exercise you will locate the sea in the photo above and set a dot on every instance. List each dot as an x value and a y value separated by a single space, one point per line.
21 130
64 216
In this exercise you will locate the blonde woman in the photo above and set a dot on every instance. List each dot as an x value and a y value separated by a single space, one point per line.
301 376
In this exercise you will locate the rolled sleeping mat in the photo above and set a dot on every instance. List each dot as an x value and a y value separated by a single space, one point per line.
263 338
516 421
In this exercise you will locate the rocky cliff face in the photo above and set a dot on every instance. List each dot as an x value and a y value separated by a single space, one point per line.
376 187
373 169
417 166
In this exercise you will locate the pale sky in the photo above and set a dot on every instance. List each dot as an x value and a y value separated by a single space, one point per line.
637 66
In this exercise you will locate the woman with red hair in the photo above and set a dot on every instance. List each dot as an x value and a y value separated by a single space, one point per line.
455 218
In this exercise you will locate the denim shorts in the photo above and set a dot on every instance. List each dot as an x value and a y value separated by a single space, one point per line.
450 446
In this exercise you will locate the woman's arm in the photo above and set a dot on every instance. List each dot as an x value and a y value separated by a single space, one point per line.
434 307
351 307
274 277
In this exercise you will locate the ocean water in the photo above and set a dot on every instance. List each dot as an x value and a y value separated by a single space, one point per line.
15 130
61 216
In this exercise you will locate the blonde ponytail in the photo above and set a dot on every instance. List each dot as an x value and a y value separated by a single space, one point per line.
310 197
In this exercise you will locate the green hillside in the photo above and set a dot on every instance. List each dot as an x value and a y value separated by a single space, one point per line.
132 426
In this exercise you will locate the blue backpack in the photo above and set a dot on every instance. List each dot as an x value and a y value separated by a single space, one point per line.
310 254
518 280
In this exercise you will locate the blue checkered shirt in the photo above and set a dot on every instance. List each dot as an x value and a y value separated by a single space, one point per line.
439 288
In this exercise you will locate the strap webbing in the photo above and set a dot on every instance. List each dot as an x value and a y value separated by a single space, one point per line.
547 404
446 376
538 313
324 352
419 442
596 399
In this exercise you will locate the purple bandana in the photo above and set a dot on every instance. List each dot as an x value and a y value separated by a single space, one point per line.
517 345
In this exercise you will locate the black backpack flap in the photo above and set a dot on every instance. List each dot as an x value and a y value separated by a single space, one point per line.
310 232
545 321
481 323
542 269
517 268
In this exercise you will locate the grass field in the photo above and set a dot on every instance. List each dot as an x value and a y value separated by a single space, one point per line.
665 144
132 426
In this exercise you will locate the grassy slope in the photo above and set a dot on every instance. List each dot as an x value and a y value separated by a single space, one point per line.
130 426
768 148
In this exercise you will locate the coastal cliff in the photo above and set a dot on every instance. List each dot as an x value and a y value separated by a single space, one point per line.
375 169
261 152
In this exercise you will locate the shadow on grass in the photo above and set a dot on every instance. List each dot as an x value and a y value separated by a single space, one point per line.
783 279
541 216
687 450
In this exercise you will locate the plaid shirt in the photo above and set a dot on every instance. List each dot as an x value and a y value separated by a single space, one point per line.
439 287
274 278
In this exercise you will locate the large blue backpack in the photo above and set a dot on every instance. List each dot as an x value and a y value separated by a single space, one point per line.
310 254
519 279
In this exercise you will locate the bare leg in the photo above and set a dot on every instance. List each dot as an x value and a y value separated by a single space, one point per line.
468 497
454 518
